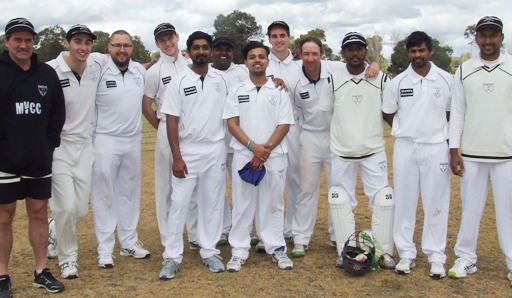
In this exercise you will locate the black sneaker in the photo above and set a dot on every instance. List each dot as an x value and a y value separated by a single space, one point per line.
47 281
5 286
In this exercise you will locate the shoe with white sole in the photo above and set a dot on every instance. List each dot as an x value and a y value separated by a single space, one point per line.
461 268
106 261
405 265
260 247
299 250
223 239
437 270
214 263
235 264
282 260
69 270
137 251
169 269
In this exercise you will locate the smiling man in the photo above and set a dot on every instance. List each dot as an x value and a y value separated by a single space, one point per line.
116 180
481 115
416 104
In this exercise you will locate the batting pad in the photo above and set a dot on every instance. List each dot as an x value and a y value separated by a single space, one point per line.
341 215
382 219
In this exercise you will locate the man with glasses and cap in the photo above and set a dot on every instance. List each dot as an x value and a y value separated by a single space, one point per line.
481 115
31 119
79 73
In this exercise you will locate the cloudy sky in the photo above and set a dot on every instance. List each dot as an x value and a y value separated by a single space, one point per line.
445 20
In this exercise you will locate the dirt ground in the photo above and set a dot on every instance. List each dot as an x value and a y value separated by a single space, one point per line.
315 275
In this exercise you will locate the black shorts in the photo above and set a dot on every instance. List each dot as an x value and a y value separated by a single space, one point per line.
15 188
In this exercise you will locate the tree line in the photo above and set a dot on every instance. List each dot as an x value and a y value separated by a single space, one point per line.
242 27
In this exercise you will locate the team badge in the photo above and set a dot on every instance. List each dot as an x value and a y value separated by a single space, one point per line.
239 78
243 98
111 84
489 88
138 81
357 99
217 86
437 92
94 77
42 89
190 90
383 164
409 92
443 166
280 173
304 95
223 167
272 99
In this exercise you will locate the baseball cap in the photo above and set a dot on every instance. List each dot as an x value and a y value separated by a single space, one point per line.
490 22
250 175
79 29
164 29
223 40
278 24
352 38
19 25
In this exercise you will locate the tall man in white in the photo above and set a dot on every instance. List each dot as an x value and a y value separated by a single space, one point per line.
416 104
481 115
157 79
193 104
79 73
116 176
259 116
357 141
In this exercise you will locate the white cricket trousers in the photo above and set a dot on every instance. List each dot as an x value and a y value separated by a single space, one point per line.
314 153
71 187
206 164
264 201
226 217
374 175
474 185
293 186
116 183
421 168
163 187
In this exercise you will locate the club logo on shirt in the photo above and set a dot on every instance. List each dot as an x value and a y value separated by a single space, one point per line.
166 80
304 95
383 164
438 92
137 81
357 99
489 88
42 89
239 78
409 92
443 167
272 99
190 90
111 84
223 167
243 98
64 83
281 174
94 77
217 86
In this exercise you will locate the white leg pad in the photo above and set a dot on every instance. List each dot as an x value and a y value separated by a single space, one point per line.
382 219
342 215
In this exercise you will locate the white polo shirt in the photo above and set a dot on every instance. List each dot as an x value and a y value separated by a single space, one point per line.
79 95
119 100
235 74
420 104
308 99
198 104
159 76
259 112
357 128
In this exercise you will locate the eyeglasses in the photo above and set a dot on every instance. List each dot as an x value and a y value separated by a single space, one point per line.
121 45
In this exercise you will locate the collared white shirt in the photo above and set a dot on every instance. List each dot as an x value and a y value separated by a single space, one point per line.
159 76
79 95
198 104
259 112
420 104
119 100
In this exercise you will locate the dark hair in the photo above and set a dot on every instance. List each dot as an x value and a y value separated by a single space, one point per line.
198 35
251 45
417 38
312 39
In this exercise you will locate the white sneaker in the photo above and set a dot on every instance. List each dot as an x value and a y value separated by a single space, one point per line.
509 275
69 270
461 268
299 250
235 264
282 260
260 247
106 261
137 251
437 270
52 239
405 265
